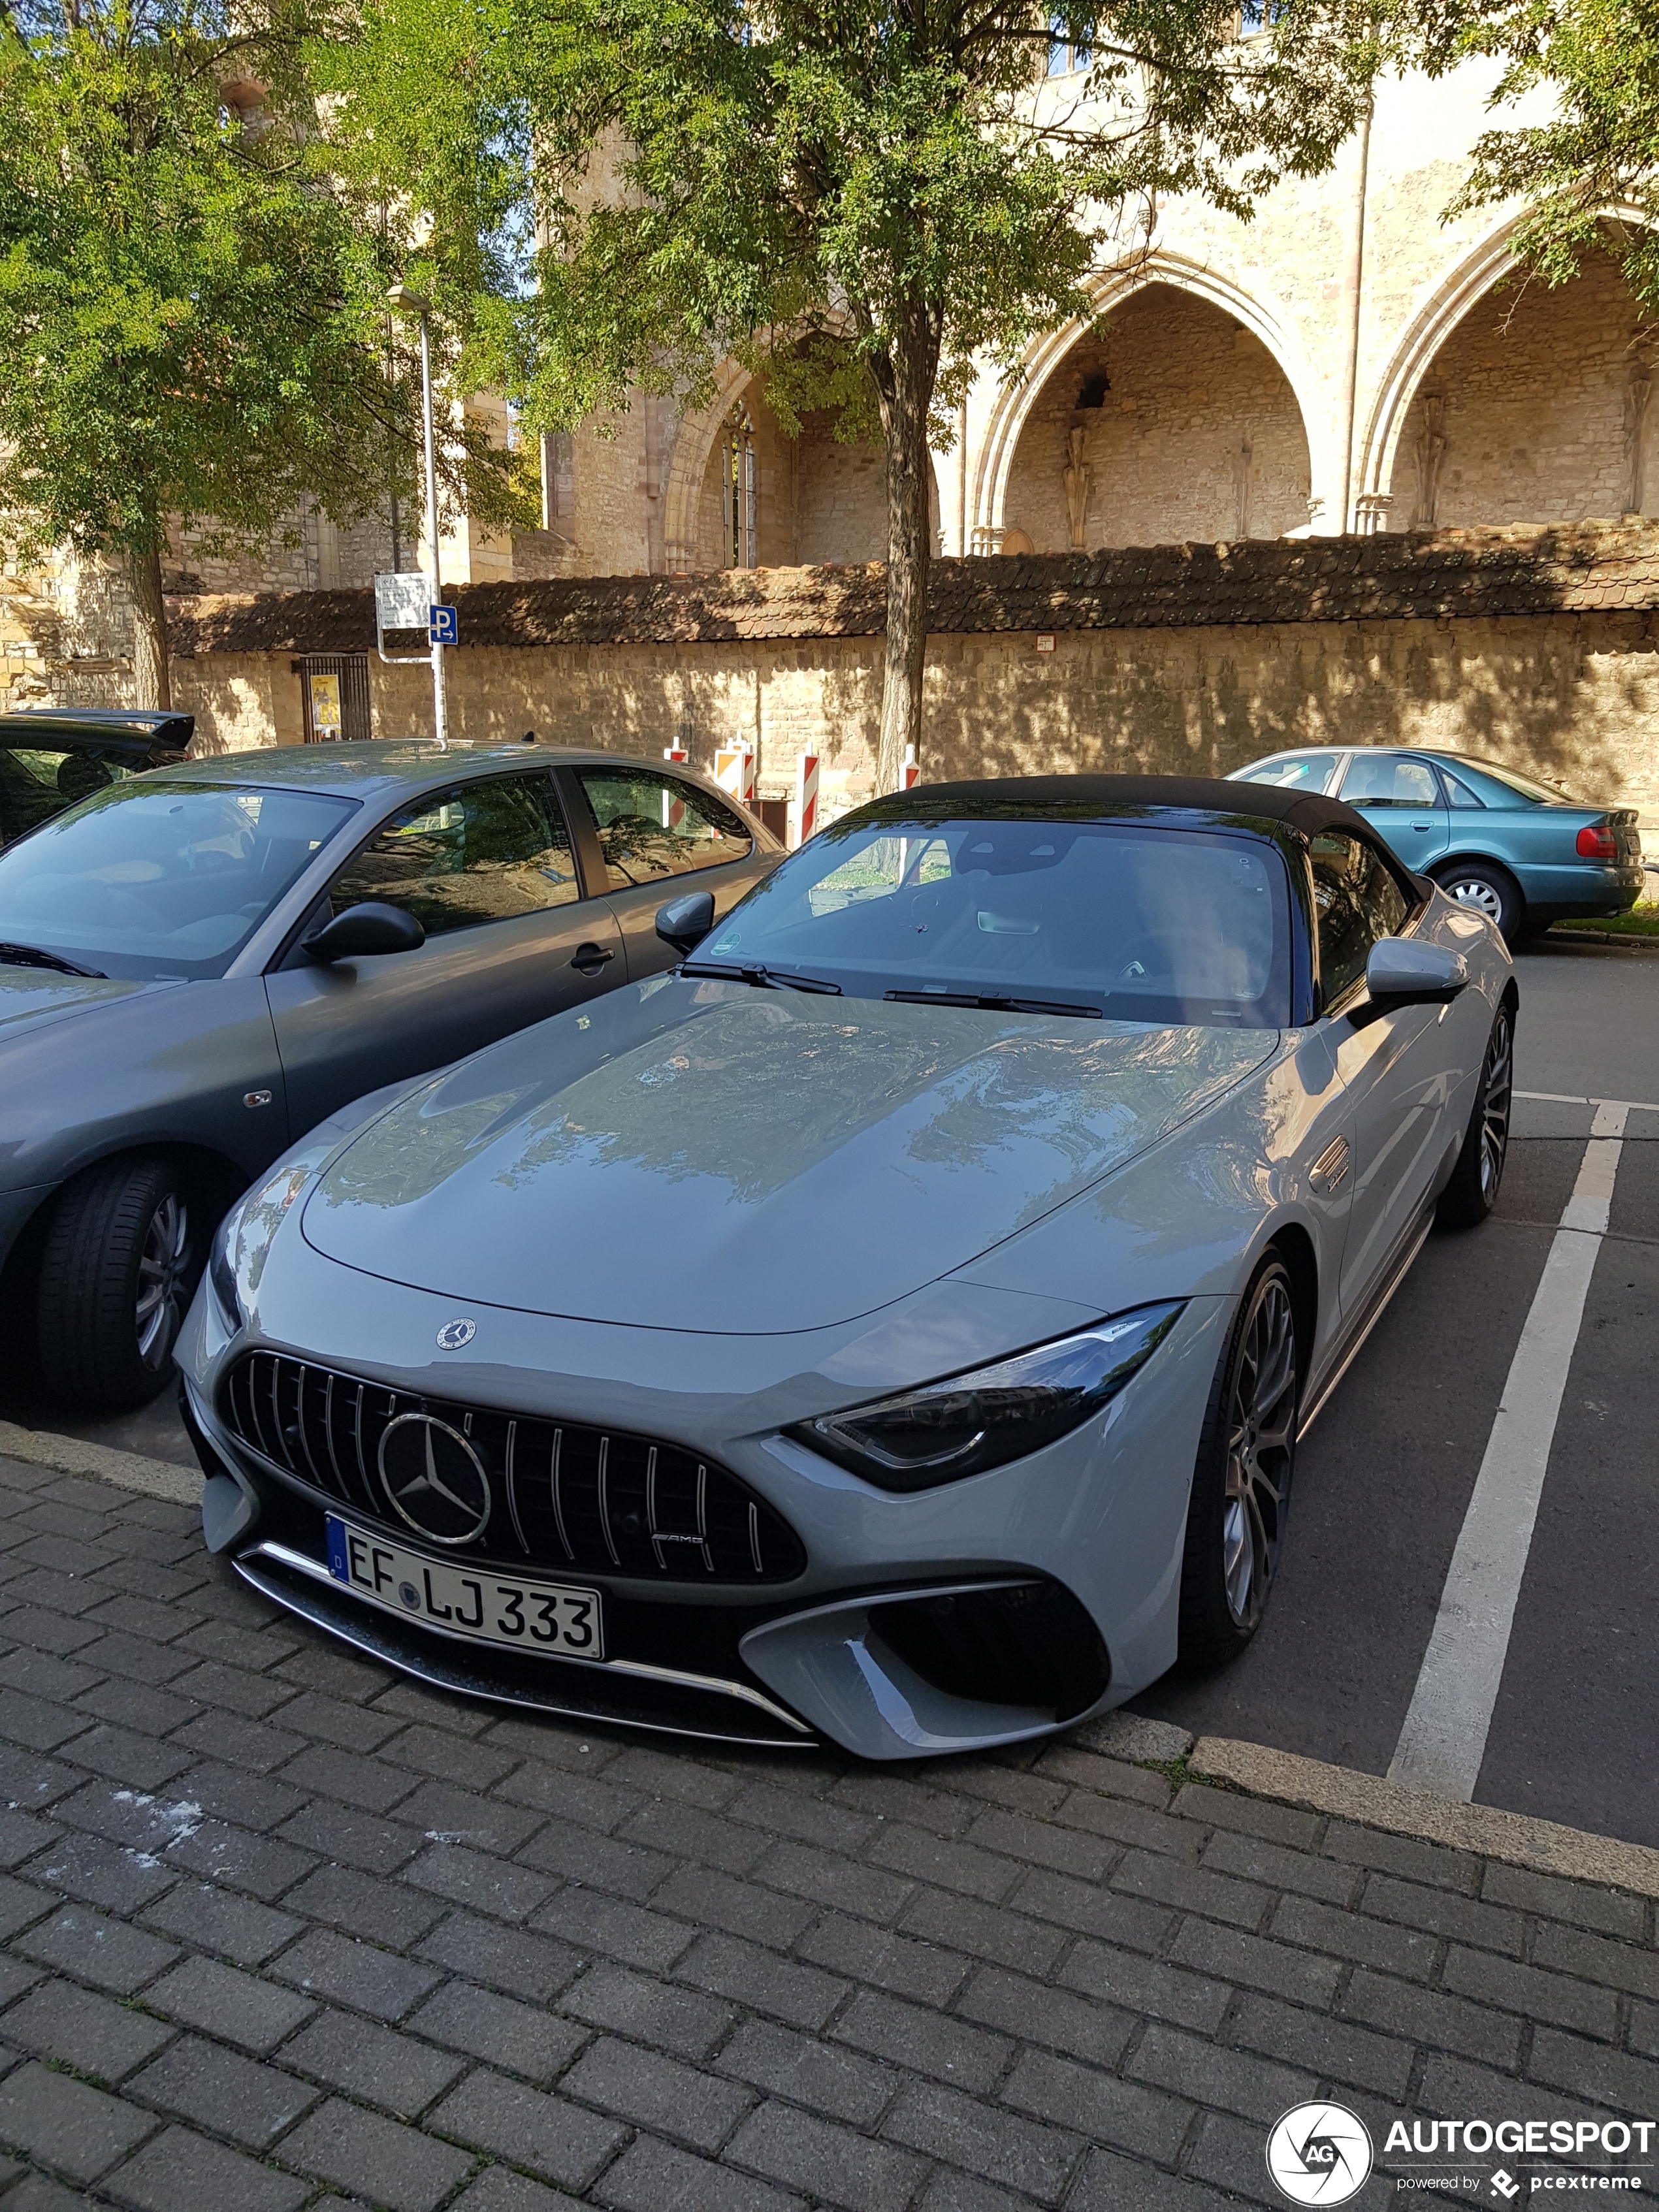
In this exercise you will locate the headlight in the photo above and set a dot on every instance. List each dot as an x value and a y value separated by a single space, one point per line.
237 1258
969 1423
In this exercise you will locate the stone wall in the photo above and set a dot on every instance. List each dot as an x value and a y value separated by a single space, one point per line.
1541 649
840 497
1574 697
1527 413
1196 432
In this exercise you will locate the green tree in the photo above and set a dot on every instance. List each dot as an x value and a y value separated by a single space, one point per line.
860 199
1588 174
191 322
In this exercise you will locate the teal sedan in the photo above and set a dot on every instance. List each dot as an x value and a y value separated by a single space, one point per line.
1521 851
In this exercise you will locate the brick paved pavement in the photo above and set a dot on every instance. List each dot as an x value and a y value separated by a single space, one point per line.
281 1930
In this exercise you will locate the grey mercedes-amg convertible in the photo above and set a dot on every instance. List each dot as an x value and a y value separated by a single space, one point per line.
894 1325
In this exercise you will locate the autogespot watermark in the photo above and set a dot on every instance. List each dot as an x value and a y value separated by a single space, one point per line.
1324 2154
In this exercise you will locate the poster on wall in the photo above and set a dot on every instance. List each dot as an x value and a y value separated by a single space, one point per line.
325 708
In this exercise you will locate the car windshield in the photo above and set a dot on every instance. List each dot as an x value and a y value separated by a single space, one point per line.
1118 920
152 880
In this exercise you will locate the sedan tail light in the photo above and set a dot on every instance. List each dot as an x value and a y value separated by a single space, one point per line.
1597 842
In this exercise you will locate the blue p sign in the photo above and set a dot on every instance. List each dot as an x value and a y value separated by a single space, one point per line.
442 627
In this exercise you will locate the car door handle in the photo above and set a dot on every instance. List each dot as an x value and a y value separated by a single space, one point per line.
588 959
1422 828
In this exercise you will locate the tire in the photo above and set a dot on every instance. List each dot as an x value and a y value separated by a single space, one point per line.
118 1268
1241 1480
1492 891
1471 1192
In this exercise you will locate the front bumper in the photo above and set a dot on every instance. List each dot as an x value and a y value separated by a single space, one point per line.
988 1611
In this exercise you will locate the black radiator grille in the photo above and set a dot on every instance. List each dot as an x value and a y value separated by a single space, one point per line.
556 1493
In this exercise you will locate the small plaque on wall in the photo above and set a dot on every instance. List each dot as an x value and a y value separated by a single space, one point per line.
1045 641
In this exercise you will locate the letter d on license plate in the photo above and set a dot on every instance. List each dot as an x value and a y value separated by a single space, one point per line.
462 1600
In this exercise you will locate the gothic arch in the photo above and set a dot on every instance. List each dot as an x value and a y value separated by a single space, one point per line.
1017 398
694 442
1428 330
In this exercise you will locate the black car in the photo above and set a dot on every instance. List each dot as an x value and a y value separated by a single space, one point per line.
51 756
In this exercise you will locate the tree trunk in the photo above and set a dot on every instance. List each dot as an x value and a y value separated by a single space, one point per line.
905 382
150 684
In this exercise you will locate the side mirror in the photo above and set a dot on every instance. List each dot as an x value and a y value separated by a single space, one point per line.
685 922
363 931
1401 972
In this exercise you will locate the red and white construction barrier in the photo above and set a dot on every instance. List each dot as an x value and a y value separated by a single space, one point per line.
910 775
673 808
734 771
806 796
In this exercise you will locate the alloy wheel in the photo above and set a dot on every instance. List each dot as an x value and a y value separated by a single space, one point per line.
1497 1083
1260 1443
1476 891
163 1280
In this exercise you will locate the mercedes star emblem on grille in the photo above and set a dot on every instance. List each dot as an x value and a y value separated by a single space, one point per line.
434 1479
455 1335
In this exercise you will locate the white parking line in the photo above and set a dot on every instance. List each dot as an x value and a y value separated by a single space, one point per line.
1560 1099
1444 1737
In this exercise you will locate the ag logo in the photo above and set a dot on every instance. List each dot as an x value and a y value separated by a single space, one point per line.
1320 2155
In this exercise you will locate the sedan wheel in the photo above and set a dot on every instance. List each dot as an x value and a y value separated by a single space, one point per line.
163 1277
1241 1483
1489 892
117 1270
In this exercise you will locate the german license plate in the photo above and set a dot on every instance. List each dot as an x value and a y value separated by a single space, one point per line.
442 1593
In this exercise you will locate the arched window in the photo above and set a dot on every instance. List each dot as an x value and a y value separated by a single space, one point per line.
740 490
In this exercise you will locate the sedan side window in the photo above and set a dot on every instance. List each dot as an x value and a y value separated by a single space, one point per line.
652 826
479 851
1385 780
1457 790
1358 901
1295 771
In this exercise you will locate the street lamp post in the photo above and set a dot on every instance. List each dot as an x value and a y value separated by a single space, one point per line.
402 301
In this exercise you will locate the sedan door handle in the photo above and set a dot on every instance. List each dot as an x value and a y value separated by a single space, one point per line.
588 959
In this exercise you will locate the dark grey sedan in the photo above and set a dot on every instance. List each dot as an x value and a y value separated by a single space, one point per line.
198 967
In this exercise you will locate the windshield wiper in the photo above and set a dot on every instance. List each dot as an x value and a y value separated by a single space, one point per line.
994 1006
31 956
763 979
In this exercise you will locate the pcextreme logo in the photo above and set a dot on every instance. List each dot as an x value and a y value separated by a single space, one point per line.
1320 2154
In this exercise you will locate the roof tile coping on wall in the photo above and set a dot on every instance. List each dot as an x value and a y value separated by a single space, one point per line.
1563 567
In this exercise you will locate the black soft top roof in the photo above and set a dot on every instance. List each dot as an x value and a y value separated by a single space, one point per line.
1099 798
141 731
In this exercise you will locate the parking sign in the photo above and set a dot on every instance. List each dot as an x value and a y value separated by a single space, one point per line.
442 626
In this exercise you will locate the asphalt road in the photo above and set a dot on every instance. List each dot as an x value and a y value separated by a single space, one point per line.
1385 1479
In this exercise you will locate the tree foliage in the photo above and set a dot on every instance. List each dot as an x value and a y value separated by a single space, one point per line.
1588 174
191 322
860 199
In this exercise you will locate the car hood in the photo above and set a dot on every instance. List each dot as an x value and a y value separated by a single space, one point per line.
761 1161
32 997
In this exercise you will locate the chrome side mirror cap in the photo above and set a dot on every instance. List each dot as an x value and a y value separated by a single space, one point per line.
1402 972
